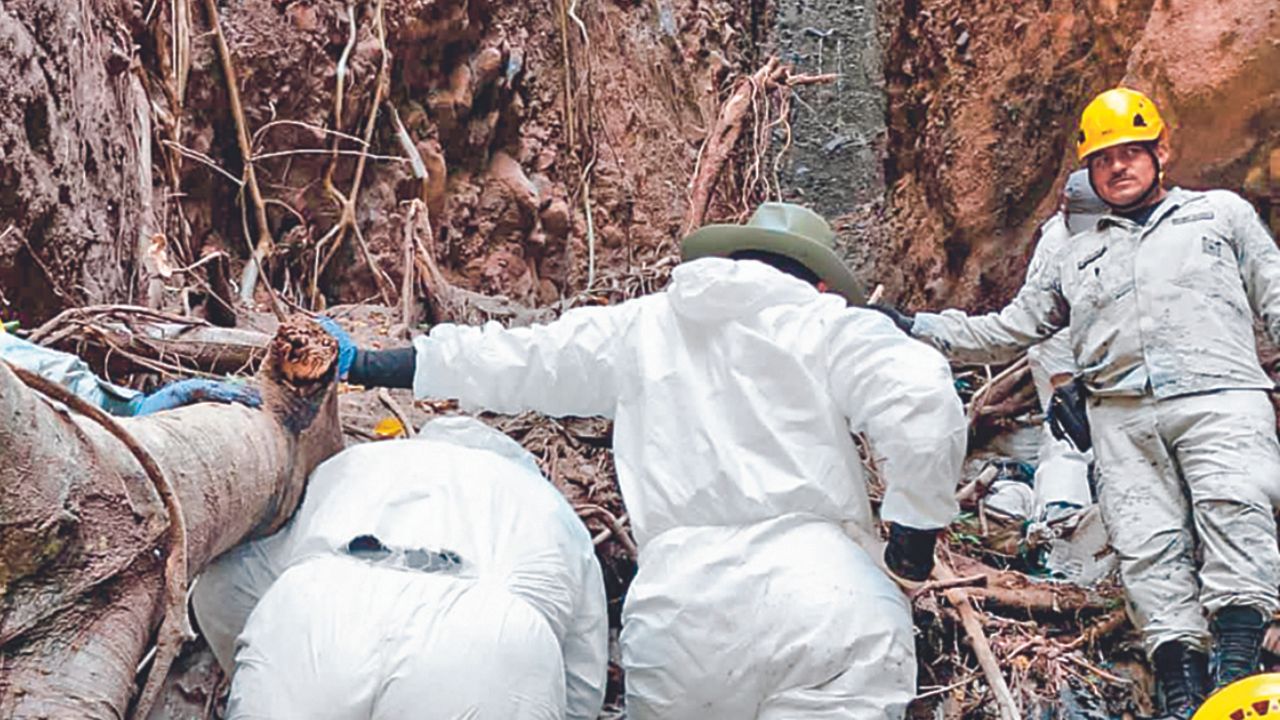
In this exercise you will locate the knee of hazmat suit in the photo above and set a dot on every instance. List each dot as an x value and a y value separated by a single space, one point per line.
437 577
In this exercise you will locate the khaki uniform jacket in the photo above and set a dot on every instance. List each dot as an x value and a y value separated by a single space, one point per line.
1165 307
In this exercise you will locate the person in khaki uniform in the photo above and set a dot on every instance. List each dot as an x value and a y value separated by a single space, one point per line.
1159 298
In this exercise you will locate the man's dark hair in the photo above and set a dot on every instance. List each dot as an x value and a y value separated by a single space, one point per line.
790 266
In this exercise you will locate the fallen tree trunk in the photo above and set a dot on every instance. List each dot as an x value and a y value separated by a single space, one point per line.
82 557
124 339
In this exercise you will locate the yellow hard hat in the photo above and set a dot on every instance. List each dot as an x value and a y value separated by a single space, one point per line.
1254 696
1116 117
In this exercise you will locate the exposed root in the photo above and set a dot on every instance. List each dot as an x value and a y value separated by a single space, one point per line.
258 254
750 102
347 222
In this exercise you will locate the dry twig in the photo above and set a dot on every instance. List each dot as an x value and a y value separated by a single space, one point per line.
959 598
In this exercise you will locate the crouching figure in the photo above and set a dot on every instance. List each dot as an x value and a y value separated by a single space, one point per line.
437 577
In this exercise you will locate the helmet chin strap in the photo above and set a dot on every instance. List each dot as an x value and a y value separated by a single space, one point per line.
1146 195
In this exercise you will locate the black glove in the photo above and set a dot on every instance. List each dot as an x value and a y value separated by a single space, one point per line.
904 321
909 554
1068 419
384 368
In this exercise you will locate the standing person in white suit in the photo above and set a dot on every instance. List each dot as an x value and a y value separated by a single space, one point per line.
735 395
1062 470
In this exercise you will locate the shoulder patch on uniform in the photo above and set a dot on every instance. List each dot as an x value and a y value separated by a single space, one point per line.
1194 217
1211 246
1092 256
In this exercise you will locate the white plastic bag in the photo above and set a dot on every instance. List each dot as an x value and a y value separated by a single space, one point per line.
460 490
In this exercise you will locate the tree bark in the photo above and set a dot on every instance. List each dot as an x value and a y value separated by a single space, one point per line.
82 568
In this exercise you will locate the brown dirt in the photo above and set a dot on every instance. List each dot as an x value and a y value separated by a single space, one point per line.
983 98
75 189
480 87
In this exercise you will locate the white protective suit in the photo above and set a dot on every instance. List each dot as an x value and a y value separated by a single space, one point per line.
490 604
734 395
1062 471
1161 325
67 370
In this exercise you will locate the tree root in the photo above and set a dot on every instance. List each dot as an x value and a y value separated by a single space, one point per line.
347 203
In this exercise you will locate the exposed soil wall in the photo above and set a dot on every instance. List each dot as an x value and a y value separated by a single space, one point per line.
75 186
480 88
983 98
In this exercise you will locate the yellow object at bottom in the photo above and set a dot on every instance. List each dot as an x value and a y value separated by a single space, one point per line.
1253 697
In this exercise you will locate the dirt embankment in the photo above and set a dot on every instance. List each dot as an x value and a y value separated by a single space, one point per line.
75 186
983 98
520 116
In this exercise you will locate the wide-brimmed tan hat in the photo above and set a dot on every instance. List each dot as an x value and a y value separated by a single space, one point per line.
783 229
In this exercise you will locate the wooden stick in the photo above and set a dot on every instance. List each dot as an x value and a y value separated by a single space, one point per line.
936 585
959 597
406 284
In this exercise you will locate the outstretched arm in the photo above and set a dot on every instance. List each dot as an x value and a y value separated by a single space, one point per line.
562 368
1038 311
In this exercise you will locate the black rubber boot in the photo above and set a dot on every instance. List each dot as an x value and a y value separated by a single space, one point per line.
1237 643
1182 673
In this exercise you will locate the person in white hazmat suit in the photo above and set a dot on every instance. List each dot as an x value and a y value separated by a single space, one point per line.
1159 298
1062 470
439 577
735 394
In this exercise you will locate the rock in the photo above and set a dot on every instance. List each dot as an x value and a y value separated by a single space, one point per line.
555 218
1212 70
486 66
505 273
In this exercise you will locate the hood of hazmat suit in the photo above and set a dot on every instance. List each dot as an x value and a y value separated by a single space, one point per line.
438 577
736 394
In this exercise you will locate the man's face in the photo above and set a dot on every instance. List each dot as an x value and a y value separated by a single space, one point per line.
1121 174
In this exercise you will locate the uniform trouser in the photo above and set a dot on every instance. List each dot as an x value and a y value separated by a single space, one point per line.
1186 479
783 619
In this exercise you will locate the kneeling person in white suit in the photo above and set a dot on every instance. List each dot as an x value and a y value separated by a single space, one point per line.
735 394
440 577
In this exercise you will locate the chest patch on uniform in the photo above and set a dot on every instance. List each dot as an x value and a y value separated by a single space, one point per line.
1194 217
1211 246
1092 257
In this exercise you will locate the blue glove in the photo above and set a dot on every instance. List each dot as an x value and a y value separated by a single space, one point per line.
346 346
195 390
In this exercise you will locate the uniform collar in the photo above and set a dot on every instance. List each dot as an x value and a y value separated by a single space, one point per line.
1176 198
